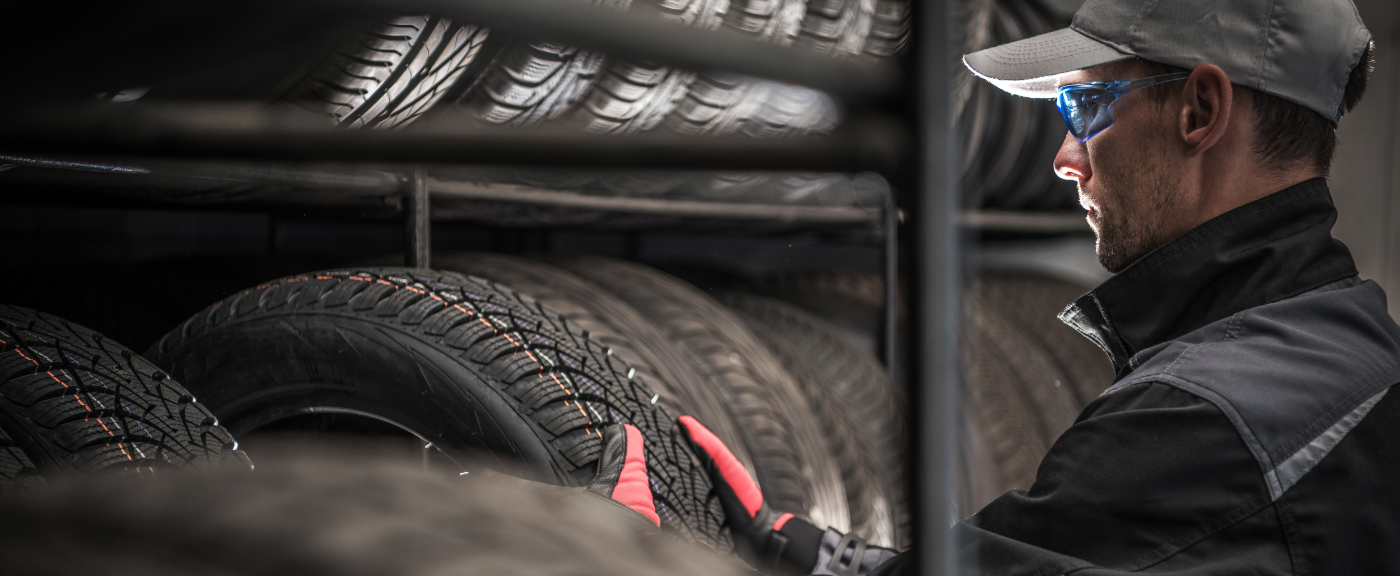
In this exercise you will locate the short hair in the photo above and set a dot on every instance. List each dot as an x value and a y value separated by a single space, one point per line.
1286 133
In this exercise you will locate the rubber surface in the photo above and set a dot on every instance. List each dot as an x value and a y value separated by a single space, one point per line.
657 362
1026 375
462 362
390 74
858 404
793 467
529 83
1033 303
73 403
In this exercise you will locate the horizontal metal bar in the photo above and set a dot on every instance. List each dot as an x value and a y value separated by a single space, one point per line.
255 132
645 34
1001 221
632 205
222 183
197 181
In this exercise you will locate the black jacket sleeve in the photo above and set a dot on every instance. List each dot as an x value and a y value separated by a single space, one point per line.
1145 478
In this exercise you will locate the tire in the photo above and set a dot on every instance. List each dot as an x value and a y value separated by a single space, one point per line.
632 97
837 26
889 28
848 377
1018 399
790 458
390 74
722 105
73 403
635 96
460 362
852 301
659 364
1026 376
1032 303
530 83
1009 139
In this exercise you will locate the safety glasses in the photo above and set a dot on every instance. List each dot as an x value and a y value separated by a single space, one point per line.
1088 107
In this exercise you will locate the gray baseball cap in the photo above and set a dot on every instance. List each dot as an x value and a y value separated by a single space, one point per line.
1299 50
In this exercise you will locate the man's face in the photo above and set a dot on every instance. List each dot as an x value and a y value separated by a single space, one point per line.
1126 174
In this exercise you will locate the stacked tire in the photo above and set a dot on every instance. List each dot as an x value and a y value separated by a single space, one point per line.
1026 376
74 404
471 368
516 364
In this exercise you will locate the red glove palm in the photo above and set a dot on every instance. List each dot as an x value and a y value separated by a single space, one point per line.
771 540
622 472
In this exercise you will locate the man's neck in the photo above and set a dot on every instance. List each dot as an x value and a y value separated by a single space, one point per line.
1220 191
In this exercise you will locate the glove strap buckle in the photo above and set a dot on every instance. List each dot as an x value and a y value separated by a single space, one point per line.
857 546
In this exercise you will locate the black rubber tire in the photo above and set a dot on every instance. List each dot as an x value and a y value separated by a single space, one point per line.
889 29
465 363
853 301
1033 303
389 75
816 354
722 105
853 379
1017 398
73 403
659 364
837 26
1026 375
793 467
529 83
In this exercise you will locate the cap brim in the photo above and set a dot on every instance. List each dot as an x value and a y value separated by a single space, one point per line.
1029 67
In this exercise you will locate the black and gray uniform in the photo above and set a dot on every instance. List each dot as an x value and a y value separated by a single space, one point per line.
1250 429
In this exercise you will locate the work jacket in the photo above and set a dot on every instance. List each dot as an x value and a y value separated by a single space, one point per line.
1249 429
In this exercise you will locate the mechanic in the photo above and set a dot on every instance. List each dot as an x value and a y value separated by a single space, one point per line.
1249 428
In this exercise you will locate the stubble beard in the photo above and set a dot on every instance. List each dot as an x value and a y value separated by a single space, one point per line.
1134 206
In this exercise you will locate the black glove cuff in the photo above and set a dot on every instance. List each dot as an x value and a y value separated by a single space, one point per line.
801 541
848 555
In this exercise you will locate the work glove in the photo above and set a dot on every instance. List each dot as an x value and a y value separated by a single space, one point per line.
772 541
620 489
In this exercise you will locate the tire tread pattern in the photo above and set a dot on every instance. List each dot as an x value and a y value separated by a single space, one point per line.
391 74
563 380
795 470
854 397
77 403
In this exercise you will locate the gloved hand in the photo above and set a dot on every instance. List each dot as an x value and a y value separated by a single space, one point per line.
774 541
620 487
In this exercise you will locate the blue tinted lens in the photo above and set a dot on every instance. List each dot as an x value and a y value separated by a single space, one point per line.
1085 109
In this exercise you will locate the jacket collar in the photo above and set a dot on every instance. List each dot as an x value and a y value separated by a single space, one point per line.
1270 249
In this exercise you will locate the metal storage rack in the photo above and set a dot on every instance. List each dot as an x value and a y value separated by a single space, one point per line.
901 128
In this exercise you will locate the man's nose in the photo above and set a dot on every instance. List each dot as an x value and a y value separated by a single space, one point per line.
1072 161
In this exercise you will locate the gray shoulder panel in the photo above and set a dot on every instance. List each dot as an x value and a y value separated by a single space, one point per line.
1293 376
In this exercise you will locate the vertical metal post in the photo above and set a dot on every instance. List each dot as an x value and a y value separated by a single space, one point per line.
419 245
890 338
937 278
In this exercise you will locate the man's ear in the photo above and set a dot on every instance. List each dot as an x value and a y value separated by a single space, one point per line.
1208 99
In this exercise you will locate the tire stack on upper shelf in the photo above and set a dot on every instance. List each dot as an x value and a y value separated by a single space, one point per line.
409 71
1009 142
391 74
388 75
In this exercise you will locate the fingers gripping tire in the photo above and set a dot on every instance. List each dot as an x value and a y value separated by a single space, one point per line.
850 392
462 362
73 403
795 469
